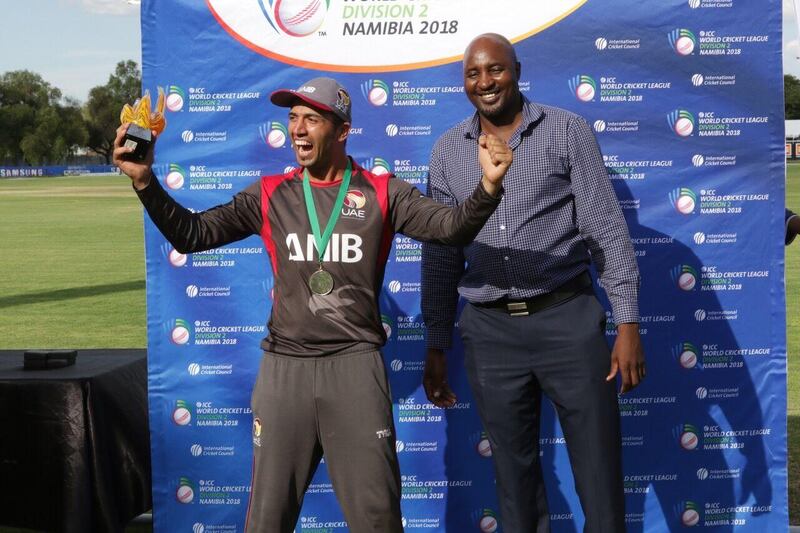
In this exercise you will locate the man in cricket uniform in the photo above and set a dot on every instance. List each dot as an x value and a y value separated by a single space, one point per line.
327 227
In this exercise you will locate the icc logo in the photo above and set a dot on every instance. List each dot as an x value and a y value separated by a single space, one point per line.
185 492
376 92
274 134
296 18
690 516
683 200
688 438
699 237
180 332
175 177
601 43
681 122
175 98
584 87
181 415
486 520
686 353
685 277
682 41
377 166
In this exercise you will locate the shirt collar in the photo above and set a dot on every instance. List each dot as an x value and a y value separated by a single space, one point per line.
531 112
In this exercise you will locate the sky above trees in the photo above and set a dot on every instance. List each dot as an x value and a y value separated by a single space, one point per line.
74 44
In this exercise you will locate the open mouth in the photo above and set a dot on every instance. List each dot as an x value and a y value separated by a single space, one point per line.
303 147
489 98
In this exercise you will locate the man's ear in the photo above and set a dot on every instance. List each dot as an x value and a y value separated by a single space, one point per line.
344 132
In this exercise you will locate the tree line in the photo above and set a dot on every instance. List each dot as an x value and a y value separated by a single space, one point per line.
39 126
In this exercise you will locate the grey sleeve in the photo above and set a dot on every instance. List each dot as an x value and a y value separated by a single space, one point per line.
419 217
194 232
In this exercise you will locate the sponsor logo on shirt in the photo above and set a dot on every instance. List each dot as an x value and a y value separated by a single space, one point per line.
342 248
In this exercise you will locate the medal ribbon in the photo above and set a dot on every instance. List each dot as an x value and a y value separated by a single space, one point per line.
321 240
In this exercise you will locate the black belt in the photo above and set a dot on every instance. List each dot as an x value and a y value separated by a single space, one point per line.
542 301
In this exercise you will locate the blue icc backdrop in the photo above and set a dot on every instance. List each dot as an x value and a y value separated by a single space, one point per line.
686 101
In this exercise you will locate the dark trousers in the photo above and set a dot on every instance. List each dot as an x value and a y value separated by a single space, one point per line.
560 351
339 406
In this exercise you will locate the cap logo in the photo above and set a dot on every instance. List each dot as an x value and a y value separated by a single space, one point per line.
306 89
342 100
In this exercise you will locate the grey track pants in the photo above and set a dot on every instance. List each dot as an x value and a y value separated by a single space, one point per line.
339 406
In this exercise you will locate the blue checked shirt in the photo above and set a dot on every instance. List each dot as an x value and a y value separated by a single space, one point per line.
558 212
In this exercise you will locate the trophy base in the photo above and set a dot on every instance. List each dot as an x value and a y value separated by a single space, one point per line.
140 139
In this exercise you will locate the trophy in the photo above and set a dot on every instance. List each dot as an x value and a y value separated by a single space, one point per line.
142 122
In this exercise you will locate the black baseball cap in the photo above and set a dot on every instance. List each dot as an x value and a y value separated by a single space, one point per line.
322 93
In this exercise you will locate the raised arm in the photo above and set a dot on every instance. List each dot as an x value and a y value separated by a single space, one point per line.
187 231
424 219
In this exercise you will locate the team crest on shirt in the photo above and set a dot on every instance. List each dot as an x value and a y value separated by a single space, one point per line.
354 203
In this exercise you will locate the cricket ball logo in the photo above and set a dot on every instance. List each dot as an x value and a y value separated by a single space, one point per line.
684 200
583 87
296 18
685 277
681 122
175 98
376 92
274 134
682 41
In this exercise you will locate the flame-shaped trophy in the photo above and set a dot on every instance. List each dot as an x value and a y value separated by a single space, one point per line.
143 122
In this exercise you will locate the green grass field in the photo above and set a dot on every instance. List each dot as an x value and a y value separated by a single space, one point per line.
71 254
72 262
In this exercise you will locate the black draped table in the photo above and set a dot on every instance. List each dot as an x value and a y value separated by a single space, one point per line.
74 442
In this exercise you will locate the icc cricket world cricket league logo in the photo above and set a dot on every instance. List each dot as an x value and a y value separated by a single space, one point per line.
682 41
377 166
688 436
175 98
376 92
681 122
185 491
685 277
274 134
486 520
176 176
297 18
583 87
181 332
684 200
686 354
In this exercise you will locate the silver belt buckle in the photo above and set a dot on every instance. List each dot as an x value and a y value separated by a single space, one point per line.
517 309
